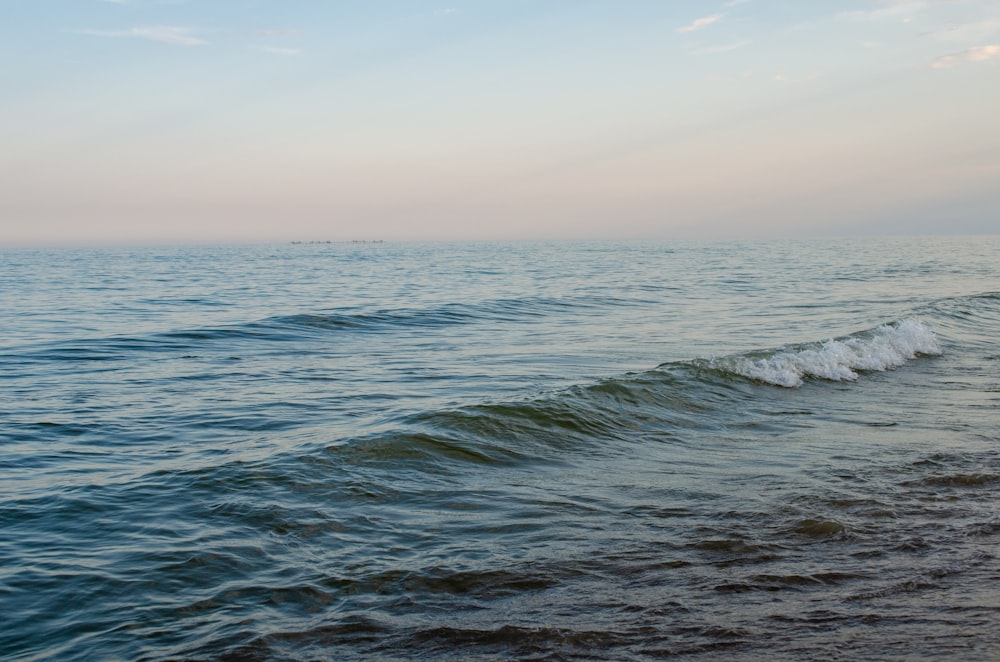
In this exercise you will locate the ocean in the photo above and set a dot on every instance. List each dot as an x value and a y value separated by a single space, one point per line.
540 451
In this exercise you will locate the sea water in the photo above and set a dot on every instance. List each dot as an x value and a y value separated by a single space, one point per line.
719 450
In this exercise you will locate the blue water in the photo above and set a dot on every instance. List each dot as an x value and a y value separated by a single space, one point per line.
718 450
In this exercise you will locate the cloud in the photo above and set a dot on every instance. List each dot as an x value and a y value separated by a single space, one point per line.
894 9
722 49
164 34
447 10
287 52
734 3
285 32
979 31
798 80
700 23
979 54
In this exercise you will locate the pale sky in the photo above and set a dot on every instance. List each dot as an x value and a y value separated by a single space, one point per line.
224 121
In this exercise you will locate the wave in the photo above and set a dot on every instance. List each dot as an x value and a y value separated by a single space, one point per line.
519 310
883 348
673 403
293 327
496 310
969 318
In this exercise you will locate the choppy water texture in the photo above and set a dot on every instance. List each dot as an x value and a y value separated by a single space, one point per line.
535 451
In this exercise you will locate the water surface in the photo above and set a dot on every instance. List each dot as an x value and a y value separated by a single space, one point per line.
494 451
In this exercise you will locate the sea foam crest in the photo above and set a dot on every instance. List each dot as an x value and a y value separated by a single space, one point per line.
884 348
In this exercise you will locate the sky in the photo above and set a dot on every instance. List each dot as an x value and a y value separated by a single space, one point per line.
225 121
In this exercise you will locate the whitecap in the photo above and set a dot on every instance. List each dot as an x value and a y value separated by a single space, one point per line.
884 348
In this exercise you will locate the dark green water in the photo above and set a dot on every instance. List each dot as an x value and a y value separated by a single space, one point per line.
502 451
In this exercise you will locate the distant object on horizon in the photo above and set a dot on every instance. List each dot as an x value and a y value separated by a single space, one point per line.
353 241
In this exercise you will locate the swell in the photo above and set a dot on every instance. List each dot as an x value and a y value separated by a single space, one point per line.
970 321
497 310
677 400
306 326
967 316
672 403
601 419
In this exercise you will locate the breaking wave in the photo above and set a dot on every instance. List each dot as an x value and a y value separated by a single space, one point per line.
884 348
672 401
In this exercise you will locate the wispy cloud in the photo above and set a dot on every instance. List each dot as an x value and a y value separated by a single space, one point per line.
980 31
711 50
978 54
902 10
286 52
446 10
282 32
700 23
164 34
735 3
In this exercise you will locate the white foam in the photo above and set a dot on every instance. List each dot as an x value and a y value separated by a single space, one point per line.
887 347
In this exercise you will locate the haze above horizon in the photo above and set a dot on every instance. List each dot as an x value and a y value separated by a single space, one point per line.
195 121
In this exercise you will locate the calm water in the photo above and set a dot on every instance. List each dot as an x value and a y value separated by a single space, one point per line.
493 451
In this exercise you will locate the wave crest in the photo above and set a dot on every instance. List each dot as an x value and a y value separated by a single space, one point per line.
883 348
